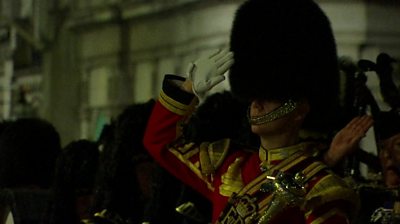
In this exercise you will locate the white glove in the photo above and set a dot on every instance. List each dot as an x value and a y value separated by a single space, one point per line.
207 72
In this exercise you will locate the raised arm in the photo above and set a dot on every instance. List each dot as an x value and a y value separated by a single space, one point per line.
347 140
175 104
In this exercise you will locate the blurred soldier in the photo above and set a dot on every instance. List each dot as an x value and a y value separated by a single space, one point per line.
125 169
29 148
132 188
381 200
73 187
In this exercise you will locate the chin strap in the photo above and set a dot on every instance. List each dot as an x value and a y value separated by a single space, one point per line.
279 112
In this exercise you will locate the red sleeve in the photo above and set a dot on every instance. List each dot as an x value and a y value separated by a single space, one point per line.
172 107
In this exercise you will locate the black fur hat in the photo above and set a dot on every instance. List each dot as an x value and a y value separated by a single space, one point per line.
285 49
387 124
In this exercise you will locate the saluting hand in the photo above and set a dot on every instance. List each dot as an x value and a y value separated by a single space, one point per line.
208 71
347 140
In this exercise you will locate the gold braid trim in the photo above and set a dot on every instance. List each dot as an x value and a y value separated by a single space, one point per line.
332 188
205 162
173 105
192 167
313 169
328 215
187 150
263 205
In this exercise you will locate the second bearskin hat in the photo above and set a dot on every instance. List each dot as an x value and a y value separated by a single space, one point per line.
387 124
285 49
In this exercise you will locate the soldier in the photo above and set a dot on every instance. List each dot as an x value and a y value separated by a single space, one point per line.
131 187
72 189
29 148
380 199
284 63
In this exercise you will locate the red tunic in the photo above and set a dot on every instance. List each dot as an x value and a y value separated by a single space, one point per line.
221 171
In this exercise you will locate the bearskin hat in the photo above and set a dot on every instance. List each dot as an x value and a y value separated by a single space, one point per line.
387 124
285 49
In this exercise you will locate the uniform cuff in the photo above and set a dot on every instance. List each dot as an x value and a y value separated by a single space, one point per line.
173 97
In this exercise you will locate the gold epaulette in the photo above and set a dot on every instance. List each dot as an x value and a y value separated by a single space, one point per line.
212 155
332 188
232 181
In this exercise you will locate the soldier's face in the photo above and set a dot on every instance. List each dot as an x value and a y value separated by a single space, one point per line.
390 160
